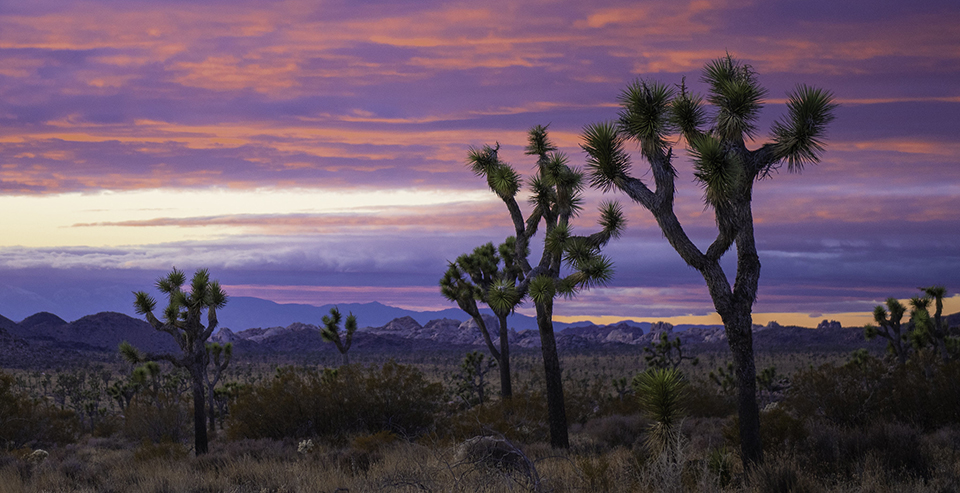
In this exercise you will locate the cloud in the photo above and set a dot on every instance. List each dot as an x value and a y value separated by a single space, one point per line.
374 97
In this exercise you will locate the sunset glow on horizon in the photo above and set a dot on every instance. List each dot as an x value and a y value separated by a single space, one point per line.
315 153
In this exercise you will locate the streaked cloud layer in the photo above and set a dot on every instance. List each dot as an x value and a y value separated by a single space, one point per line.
316 148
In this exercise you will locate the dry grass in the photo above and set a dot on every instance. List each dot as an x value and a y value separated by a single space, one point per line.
369 465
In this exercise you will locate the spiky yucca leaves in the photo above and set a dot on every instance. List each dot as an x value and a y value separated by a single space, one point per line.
661 392
331 331
182 319
646 115
737 96
606 157
798 137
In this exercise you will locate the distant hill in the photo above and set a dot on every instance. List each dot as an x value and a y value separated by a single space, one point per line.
244 312
103 330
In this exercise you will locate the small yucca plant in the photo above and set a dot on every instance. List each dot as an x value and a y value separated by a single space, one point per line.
661 393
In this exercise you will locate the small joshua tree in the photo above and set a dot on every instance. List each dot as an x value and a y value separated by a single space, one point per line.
478 276
936 329
182 319
889 328
331 331
472 379
220 357
667 353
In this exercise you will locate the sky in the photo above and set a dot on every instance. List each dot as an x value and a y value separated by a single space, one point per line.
314 151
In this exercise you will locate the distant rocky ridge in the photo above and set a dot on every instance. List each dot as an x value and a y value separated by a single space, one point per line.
45 336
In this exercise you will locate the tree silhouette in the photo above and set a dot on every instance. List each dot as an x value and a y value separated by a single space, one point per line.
937 328
726 169
478 276
331 331
220 356
182 319
667 354
889 328
568 264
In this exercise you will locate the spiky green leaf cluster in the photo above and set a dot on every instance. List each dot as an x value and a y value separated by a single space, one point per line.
607 161
645 115
721 173
798 137
542 289
661 393
687 112
612 219
538 143
331 328
737 95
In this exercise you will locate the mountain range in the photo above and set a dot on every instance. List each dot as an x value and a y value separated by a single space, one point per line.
43 338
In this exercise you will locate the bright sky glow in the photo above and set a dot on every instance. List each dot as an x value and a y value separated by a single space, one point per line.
104 218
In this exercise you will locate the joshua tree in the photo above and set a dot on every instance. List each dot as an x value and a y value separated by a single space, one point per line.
938 330
331 331
182 319
472 378
667 353
220 357
727 170
890 328
555 196
493 285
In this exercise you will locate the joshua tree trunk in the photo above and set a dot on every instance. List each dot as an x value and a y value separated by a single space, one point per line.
552 375
199 408
506 387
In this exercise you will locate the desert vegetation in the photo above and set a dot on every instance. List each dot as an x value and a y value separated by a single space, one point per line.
854 422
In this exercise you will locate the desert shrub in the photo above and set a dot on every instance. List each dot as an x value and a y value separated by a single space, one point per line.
832 450
158 417
703 401
921 393
165 450
615 431
844 395
28 421
300 403
782 475
780 430
522 418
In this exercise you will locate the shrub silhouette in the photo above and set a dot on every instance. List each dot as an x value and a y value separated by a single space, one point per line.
301 403
28 421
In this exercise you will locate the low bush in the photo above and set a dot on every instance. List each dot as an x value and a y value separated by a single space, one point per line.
522 418
302 403
25 421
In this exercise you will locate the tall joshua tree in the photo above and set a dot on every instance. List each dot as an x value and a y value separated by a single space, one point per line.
726 169
478 276
183 320
331 331
568 264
